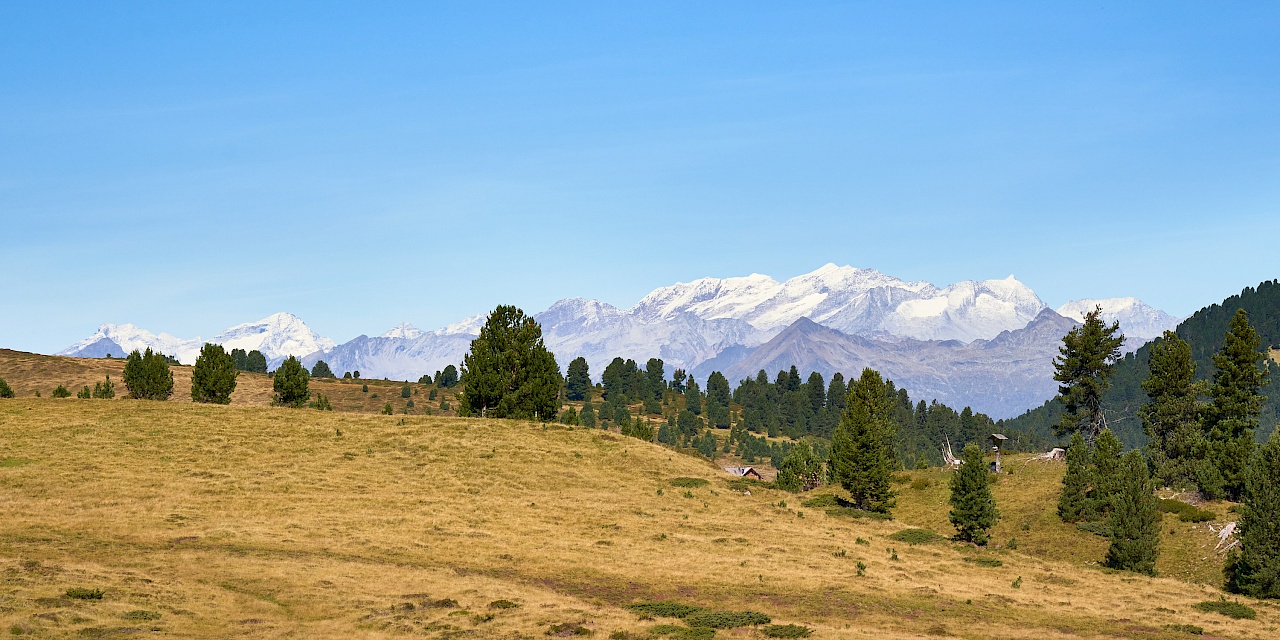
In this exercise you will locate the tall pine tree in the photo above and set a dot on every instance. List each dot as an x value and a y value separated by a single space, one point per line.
509 373
1232 416
1254 570
578 381
973 508
1082 369
1107 475
1134 524
1171 417
862 454
1073 501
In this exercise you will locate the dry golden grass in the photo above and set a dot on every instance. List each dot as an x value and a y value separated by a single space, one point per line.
260 522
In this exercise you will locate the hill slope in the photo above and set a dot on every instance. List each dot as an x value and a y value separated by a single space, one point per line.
261 522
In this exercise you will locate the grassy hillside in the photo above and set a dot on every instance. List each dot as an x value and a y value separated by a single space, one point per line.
258 522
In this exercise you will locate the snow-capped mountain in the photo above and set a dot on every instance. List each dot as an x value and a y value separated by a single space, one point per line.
403 330
1139 321
119 340
277 337
854 301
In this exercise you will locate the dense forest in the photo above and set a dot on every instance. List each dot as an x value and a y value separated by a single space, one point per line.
1204 331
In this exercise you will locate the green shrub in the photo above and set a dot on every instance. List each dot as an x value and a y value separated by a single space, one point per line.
726 619
915 536
1096 528
920 484
61 392
213 379
84 394
80 593
5 390
1230 609
566 629
787 631
364 388
1186 628
387 410
104 390
445 406
677 632
406 391
689 483
819 502
985 562
291 384
321 403
665 609
139 614
503 604
431 395
147 376
1186 512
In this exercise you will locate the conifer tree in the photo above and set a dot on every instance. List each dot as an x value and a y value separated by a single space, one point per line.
1083 368
213 379
801 469
578 381
655 377
147 376
255 362
1235 402
509 373
718 400
104 390
693 397
1254 570
241 359
587 417
973 508
1171 418
862 456
321 370
569 417
1073 501
5 390
1134 524
291 383
446 379
1107 474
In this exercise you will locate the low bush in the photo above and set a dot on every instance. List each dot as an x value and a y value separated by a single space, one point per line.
726 619
1232 609
503 604
387 410
787 631
689 483
819 502
61 392
1096 528
5 390
1186 512
321 402
84 394
80 593
1186 628
915 536
568 630
920 484
985 562
665 609
139 614
677 632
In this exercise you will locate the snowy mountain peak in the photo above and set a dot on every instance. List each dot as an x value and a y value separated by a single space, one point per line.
120 339
277 336
1139 321
467 326
403 330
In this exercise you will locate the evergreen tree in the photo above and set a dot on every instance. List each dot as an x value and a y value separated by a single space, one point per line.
569 417
1134 524
1083 368
837 391
5 390
255 362
104 390
213 379
291 384
60 392
1073 501
578 382
693 397
801 469
655 378
84 394
587 417
815 389
862 457
321 370
1235 402
973 508
1108 474
1254 570
147 376
718 400
241 359
678 379
1171 417
425 379
509 372
406 391
446 379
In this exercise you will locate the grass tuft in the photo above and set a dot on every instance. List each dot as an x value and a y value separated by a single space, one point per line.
689 483
1231 609
915 536
80 593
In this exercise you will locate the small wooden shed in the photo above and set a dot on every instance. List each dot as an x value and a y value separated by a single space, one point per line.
743 472
997 440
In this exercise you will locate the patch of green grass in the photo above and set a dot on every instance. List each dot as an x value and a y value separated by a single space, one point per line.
1186 512
1096 528
8 463
677 632
689 483
139 614
787 631
79 593
985 562
1231 609
819 502
915 536
503 604
665 609
727 619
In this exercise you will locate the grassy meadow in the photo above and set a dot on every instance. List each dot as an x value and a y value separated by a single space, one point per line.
245 521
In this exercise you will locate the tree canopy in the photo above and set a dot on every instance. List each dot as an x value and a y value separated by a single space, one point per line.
509 373
213 379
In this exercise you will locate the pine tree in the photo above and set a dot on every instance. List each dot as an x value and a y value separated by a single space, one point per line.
255 362
693 397
104 390
569 417
801 469
973 508
1254 570
147 376
655 378
1073 501
1235 402
587 417
509 372
446 379
578 381
241 359
5 390
213 379
718 400
1171 418
1134 524
291 384
321 370
1083 368
1108 473
862 457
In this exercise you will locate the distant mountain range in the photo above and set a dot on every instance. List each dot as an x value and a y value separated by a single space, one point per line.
987 344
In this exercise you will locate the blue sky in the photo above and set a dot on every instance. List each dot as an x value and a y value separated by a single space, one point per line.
189 166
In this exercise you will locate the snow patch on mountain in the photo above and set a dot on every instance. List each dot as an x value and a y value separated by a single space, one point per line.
1139 321
277 336
128 337
403 330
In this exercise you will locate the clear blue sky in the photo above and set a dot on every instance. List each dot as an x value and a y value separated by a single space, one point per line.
189 166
